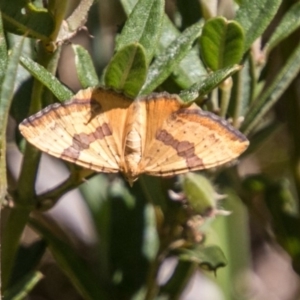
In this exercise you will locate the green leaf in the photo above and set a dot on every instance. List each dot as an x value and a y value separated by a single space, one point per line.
133 229
255 16
6 94
51 82
21 16
166 62
143 26
208 257
270 96
74 265
288 24
85 68
199 90
22 288
190 69
127 70
3 53
221 43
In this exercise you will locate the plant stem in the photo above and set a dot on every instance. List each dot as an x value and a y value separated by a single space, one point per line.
25 198
238 100
225 88
152 286
15 224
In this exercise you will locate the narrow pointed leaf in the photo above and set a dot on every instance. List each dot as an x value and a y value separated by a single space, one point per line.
221 43
271 95
127 70
289 23
40 73
255 16
6 95
199 90
22 288
85 68
166 62
143 26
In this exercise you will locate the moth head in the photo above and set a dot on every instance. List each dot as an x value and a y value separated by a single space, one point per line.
131 179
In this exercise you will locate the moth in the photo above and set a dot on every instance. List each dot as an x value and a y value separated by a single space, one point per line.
158 135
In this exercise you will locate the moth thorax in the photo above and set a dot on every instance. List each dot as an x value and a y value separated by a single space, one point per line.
133 149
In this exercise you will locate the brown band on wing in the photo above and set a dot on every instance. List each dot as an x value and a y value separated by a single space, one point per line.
82 141
184 149
235 134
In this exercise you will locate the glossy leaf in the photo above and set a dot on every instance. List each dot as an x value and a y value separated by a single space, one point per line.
22 17
255 16
166 62
221 43
51 82
143 26
85 68
127 70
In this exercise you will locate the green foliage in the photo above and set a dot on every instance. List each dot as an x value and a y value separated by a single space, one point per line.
84 66
10 64
23 17
221 43
143 26
138 228
166 61
40 73
255 16
127 70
